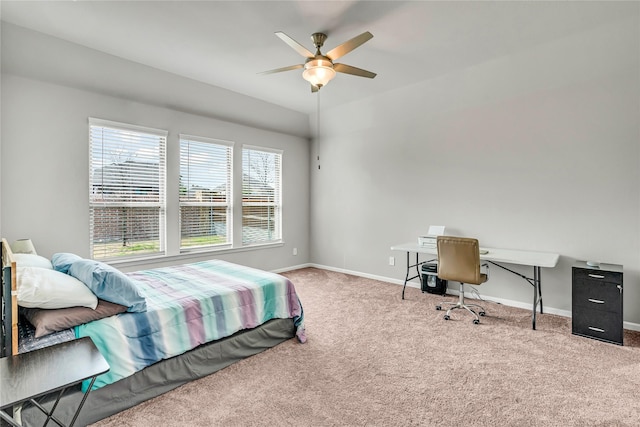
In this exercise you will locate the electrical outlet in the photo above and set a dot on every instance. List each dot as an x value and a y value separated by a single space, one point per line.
392 260
295 251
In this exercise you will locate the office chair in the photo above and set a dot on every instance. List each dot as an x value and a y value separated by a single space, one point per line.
459 260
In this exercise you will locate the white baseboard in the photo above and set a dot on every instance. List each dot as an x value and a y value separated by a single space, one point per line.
293 267
518 304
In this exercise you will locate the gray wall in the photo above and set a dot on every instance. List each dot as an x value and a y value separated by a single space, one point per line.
538 150
44 149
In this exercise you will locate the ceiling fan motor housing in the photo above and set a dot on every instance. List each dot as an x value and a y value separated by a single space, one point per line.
318 40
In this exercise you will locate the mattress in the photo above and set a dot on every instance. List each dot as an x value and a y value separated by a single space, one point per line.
189 305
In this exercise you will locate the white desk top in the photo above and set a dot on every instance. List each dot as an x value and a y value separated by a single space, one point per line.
509 256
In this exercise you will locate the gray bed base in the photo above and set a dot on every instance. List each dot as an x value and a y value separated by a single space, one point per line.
165 375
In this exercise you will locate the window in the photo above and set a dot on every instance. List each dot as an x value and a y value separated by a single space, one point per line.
261 195
205 191
126 190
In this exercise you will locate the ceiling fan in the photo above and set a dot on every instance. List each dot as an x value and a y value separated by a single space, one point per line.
319 69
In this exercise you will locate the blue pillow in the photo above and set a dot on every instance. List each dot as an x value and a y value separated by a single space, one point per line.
63 260
109 284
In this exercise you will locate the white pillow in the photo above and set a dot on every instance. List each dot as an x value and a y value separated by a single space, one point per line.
31 260
43 288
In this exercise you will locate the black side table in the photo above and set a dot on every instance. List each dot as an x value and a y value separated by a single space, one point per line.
27 376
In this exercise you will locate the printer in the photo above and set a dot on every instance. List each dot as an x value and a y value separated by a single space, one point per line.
429 240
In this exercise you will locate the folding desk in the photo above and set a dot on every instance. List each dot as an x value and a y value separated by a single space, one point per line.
27 376
495 256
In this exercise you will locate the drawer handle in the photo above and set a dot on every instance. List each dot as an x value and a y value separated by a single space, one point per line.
596 276
597 301
596 329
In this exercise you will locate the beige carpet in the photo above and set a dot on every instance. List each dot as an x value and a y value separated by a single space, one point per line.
373 359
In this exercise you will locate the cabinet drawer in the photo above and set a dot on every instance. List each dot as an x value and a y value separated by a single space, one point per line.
602 325
598 295
598 275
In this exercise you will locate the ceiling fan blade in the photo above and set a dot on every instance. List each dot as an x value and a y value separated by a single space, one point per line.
295 45
349 45
348 69
278 70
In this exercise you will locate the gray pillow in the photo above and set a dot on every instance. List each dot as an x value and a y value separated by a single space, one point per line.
50 321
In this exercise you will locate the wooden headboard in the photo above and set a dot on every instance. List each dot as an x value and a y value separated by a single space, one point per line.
9 341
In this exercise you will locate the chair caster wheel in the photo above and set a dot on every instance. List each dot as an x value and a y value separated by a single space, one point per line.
438 307
446 317
482 313
476 322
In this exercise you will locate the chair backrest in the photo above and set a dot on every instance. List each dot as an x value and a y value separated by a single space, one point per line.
459 259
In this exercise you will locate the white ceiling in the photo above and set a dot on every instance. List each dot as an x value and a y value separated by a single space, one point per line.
227 43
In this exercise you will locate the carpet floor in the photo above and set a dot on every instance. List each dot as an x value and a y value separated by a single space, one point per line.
373 359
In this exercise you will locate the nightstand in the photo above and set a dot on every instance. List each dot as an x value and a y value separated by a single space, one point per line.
597 302
27 376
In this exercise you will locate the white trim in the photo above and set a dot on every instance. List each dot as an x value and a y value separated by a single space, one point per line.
293 267
192 254
631 326
126 126
265 149
510 303
207 140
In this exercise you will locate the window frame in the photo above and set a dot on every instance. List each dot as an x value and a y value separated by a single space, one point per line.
160 204
276 204
230 146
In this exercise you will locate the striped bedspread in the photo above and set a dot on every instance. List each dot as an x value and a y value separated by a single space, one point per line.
189 305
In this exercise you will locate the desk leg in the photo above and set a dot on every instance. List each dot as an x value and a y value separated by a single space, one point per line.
406 277
536 282
418 264
539 287
84 398
8 419
49 413
537 294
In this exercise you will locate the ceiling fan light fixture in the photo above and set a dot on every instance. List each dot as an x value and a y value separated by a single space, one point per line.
318 72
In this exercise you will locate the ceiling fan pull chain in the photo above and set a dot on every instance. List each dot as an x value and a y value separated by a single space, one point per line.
318 129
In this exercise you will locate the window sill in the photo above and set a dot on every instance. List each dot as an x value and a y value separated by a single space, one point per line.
188 255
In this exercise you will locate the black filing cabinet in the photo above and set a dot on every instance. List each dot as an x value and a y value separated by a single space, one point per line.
597 302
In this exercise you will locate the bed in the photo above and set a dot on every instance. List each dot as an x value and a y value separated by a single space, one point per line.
194 320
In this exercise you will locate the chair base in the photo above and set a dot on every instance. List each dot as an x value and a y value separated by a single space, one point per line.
461 305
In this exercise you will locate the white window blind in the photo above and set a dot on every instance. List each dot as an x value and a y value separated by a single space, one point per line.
126 190
261 195
205 192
